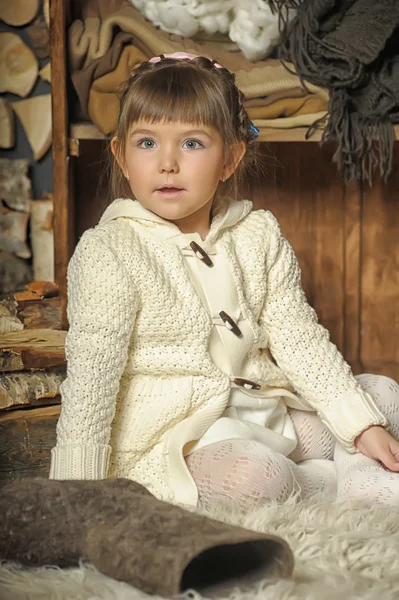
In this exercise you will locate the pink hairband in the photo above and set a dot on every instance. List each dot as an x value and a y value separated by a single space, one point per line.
179 56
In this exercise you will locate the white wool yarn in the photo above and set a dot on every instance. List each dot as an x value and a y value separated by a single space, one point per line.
187 17
249 23
254 28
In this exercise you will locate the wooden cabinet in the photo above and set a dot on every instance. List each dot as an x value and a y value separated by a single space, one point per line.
346 239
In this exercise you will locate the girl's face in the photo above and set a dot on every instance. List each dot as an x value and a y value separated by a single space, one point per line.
183 155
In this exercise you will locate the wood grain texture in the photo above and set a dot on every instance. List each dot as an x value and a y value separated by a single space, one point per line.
85 130
27 437
32 349
379 287
352 276
62 192
347 243
20 389
306 195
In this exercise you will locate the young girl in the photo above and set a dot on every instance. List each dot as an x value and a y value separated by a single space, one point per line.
196 367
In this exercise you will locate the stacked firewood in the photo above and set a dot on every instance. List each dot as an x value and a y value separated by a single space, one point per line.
26 229
32 368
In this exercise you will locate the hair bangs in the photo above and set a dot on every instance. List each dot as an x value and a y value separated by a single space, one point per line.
177 95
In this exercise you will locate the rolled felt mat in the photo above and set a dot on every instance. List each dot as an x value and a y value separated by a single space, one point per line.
131 536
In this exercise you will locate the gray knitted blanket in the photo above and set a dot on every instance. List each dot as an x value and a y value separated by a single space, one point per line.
350 47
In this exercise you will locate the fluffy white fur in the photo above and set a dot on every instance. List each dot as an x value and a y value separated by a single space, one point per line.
341 551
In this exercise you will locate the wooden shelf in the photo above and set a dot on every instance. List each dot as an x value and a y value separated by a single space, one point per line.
88 131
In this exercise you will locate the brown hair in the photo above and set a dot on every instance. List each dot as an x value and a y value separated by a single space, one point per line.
190 91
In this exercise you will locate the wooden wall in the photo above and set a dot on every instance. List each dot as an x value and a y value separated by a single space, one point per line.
347 243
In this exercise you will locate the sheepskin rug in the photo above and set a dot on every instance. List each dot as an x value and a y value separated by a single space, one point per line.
342 551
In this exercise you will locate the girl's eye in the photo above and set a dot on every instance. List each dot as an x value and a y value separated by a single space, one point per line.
142 142
194 142
191 142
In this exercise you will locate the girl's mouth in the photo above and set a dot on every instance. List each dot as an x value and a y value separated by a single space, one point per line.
170 191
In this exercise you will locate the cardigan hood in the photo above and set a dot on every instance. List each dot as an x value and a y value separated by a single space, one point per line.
226 213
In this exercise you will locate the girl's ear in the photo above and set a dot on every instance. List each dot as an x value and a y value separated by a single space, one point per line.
116 153
237 154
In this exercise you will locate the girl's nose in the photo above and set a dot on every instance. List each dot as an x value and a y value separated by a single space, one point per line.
168 162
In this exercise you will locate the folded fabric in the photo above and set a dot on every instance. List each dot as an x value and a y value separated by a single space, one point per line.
295 92
90 41
103 107
103 104
129 535
288 107
352 49
99 8
83 79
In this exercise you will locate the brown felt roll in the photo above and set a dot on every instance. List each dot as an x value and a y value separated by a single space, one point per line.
129 535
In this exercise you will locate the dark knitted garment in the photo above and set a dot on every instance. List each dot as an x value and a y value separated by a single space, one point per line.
350 47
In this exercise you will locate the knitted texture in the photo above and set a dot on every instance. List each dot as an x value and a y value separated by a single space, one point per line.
351 48
138 339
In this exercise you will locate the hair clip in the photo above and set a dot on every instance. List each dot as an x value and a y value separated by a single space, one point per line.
254 129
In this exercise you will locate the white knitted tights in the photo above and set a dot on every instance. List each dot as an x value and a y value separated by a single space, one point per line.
359 476
252 474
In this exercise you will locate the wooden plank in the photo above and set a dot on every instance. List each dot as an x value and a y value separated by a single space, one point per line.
352 275
91 200
62 194
32 349
379 323
86 130
27 437
306 195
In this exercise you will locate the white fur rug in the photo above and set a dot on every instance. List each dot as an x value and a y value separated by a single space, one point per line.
342 551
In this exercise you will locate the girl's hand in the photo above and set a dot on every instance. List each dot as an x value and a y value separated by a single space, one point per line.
376 443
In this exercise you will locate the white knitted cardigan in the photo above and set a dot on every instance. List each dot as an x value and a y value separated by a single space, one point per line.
140 381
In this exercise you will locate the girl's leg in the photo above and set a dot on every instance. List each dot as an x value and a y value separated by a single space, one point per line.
314 439
360 477
252 474
241 470
314 469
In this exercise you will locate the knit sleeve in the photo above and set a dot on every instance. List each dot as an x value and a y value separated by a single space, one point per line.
101 312
302 348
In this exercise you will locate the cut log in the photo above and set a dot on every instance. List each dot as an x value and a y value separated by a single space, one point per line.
31 388
15 185
35 116
37 290
40 313
14 232
39 34
8 322
27 437
15 273
44 289
45 73
18 12
42 237
32 349
7 129
18 65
